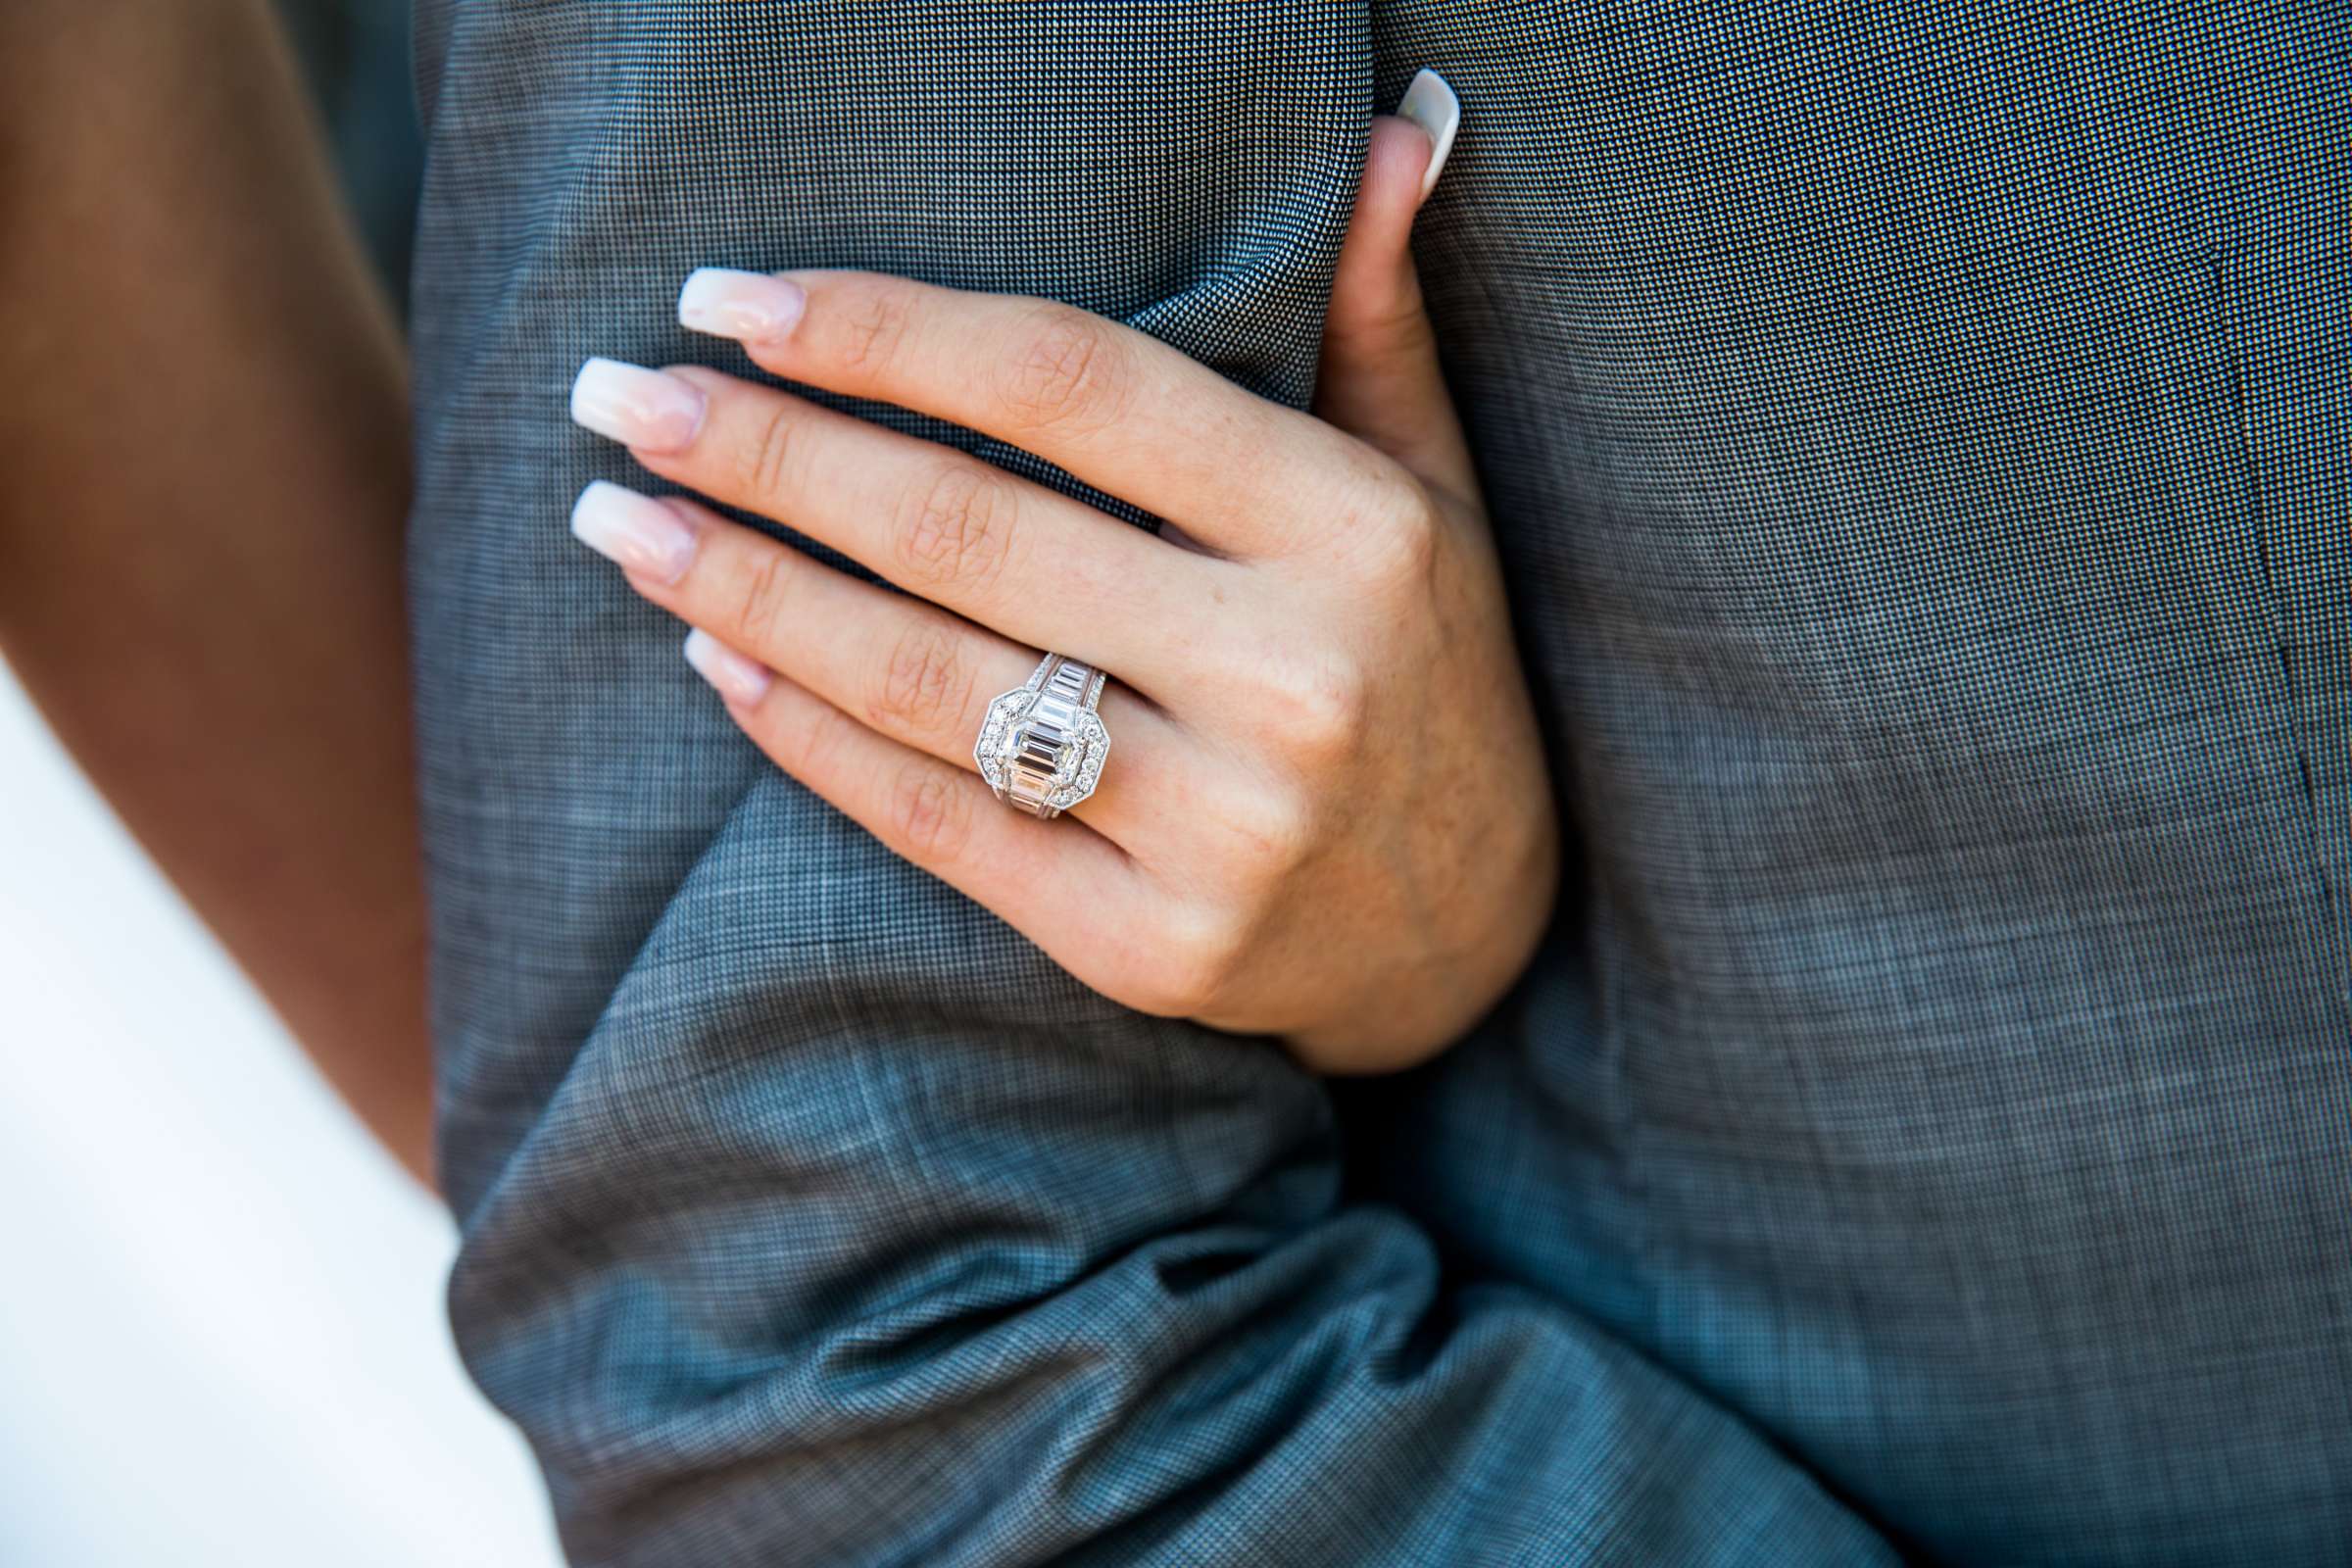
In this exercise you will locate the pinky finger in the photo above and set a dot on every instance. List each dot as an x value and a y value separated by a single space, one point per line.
1055 882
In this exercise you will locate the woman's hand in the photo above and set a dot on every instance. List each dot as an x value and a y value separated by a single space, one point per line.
1324 815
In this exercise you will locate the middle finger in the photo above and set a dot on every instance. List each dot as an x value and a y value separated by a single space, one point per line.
1040 567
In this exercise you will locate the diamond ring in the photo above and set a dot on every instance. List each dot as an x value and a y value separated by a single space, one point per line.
1042 746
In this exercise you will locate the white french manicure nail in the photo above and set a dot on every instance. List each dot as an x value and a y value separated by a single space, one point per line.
740 680
636 406
748 307
1431 104
636 533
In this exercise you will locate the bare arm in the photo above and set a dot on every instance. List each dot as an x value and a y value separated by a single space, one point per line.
202 402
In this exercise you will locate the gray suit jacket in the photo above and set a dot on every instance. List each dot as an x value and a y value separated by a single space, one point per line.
1916 434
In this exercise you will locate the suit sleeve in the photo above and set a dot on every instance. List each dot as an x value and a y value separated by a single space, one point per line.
809 1215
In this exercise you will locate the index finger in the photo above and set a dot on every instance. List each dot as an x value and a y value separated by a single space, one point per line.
1123 412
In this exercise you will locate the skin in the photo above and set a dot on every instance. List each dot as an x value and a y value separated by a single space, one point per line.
203 403
200 585
1325 814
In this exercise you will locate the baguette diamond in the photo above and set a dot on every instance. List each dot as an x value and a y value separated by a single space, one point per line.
1042 746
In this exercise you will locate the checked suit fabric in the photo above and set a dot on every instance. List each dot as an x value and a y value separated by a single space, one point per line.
1914 435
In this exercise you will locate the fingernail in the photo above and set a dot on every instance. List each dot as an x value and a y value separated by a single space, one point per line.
748 307
740 680
1430 104
637 532
636 406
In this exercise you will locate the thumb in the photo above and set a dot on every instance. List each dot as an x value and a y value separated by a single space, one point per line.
1378 379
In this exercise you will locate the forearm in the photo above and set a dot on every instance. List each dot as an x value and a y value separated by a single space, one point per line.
202 397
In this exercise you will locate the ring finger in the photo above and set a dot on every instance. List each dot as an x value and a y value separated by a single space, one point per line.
905 668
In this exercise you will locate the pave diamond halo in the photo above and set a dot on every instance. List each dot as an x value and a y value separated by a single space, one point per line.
1043 745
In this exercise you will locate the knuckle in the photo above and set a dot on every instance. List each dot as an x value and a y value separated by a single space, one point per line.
1318 710
958 528
1277 828
1067 371
1397 324
1198 958
815 749
929 813
764 463
927 685
1398 543
759 605
871 323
